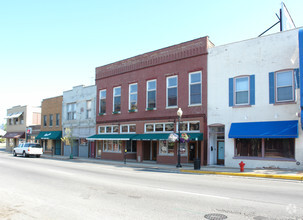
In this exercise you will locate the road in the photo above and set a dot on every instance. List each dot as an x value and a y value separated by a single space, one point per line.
38 188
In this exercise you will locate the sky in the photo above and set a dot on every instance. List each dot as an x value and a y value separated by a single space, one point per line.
50 46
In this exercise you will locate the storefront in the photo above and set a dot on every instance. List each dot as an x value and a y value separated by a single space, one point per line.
13 139
51 142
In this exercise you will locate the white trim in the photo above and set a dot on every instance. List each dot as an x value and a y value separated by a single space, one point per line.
128 132
189 84
114 96
105 126
188 127
103 90
129 94
154 128
292 85
151 91
171 87
235 90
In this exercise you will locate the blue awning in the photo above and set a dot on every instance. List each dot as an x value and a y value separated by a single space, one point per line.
270 129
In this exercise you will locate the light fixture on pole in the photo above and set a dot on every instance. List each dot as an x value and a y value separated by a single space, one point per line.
179 113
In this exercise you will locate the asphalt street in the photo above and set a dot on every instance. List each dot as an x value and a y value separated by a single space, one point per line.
38 188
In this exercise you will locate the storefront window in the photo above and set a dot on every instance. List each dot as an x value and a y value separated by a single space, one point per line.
166 148
169 127
279 148
159 127
112 146
99 147
249 147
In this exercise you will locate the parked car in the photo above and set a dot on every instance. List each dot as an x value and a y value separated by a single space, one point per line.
28 149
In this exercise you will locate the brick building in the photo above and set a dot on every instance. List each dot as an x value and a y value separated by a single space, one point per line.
51 126
138 99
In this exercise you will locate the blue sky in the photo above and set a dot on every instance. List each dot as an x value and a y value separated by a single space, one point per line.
48 47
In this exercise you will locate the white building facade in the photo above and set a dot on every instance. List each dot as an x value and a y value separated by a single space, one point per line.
254 103
79 115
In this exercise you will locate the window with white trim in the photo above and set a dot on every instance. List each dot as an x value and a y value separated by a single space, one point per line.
172 91
151 94
284 86
159 127
166 148
108 129
117 99
102 102
242 90
189 126
88 109
195 88
112 146
131 146
133 96
71 111
128 128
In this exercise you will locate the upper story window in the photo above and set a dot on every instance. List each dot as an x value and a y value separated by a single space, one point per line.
195 88
159 127
128 128
242 90
133 96
282 86
21 119
117 99
57 119
102 109
44 120
189 126
109 129
51 120
10 121
151 89
172 91
88 109
71 111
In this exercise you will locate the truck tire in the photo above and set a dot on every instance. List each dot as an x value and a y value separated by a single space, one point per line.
24 154
14 154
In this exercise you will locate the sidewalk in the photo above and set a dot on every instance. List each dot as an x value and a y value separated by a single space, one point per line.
189 168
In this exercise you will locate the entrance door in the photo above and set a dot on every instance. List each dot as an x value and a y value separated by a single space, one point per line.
146 150
220 152
154 151
192 152
58 147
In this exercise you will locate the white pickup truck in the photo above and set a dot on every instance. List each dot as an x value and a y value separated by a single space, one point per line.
28 149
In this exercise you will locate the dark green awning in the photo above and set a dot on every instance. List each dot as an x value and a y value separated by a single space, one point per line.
151 137
122 137
54 135
195 136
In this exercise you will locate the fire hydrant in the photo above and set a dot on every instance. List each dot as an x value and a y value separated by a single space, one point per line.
241 166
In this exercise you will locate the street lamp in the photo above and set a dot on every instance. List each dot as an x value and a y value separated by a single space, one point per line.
179 113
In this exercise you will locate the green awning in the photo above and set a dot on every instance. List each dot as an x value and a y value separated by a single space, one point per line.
121 137
195 136
54 135
151 137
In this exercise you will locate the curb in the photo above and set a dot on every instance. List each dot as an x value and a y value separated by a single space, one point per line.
273 176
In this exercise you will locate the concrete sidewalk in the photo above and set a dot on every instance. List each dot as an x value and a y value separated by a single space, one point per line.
189 168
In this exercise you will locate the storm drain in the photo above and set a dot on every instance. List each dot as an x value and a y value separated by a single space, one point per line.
215 216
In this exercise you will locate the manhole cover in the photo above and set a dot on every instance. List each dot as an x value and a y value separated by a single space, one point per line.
215 216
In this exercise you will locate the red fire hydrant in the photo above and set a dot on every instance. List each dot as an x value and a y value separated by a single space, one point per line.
241 166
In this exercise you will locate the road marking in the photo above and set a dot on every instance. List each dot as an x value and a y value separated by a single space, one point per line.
192 193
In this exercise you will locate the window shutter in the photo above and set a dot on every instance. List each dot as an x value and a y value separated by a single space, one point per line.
297 79
252 89
231 91
271 88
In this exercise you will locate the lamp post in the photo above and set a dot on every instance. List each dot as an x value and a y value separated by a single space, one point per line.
179 113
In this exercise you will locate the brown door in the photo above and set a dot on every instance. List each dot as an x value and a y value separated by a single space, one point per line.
154 150
146 150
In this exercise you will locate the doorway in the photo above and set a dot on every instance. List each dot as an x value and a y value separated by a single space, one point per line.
192 152
150 150
220 152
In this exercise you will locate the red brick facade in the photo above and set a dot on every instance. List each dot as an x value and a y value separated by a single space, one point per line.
178 60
